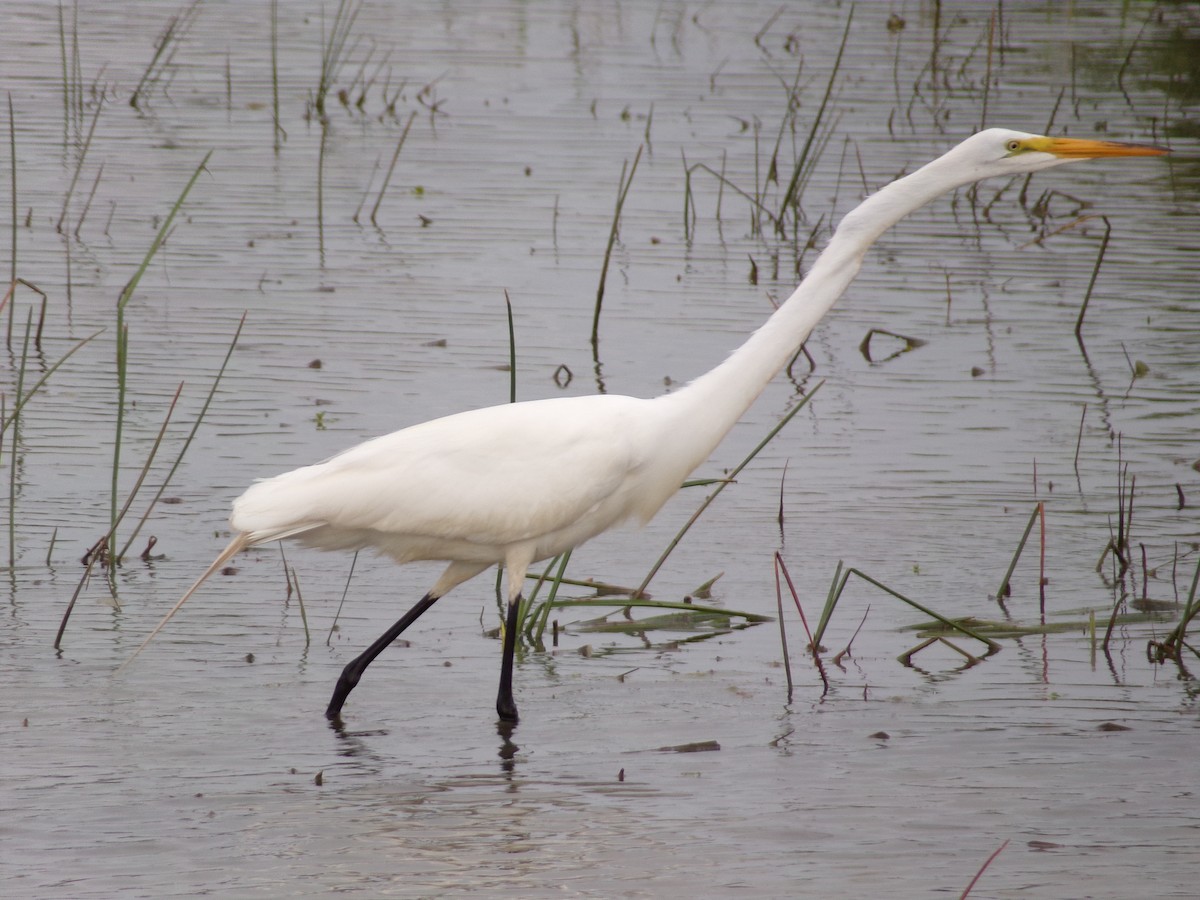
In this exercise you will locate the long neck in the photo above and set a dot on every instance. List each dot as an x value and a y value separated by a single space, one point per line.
706 409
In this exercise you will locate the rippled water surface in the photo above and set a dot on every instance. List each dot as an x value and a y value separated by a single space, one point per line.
207 767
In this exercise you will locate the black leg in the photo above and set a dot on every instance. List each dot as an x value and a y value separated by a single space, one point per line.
505 705
355 668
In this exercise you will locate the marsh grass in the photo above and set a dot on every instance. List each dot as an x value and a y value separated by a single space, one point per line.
12 157
813 143
122 329
709 620
537 623
623 186
21 397
200 416
756 199
787 657
1118 542
1087 296
292 579
87 204
987 72
1079 441
101 551
781 568
72 75
333 626
1005 588
333 49
838 586
392 167
987 862
1074 622
334 56
165 48
817 136
324 123
24 397
512 349
87 143
1173 645
278 135
16 439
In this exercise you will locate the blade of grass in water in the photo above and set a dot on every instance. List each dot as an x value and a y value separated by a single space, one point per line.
791 196
28 395
12 156
391 168
541 620
21 397
79 167
188 441
16 434
123 332
333 47
512 351
836 594
101 549
1002 591
622 193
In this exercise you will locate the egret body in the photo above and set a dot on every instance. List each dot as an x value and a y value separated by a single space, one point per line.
523 482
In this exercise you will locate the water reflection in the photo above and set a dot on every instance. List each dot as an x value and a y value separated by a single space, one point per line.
508 750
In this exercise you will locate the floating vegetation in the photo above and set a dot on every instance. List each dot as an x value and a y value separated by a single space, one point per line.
842 576
689 618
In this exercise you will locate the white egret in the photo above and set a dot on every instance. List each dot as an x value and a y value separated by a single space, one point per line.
523 482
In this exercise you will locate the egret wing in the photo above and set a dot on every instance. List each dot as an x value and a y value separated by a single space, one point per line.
492 476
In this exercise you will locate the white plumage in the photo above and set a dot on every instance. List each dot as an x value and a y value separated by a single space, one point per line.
538 477
523 482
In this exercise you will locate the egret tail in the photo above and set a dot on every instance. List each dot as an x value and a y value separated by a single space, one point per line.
237 545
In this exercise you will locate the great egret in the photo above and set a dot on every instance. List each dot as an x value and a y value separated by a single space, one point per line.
523 482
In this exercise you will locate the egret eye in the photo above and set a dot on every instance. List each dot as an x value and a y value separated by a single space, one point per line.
1013 146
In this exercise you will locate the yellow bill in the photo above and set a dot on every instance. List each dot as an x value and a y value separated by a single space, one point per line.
1078 148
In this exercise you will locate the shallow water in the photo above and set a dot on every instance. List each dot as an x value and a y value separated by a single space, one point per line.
196 770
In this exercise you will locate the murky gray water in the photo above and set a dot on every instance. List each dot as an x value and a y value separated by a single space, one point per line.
195 771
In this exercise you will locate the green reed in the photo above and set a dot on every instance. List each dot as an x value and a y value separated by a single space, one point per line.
623 185
122 330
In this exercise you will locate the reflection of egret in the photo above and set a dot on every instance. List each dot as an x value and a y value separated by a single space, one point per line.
523 482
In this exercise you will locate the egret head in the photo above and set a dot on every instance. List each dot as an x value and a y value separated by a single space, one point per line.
999 151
